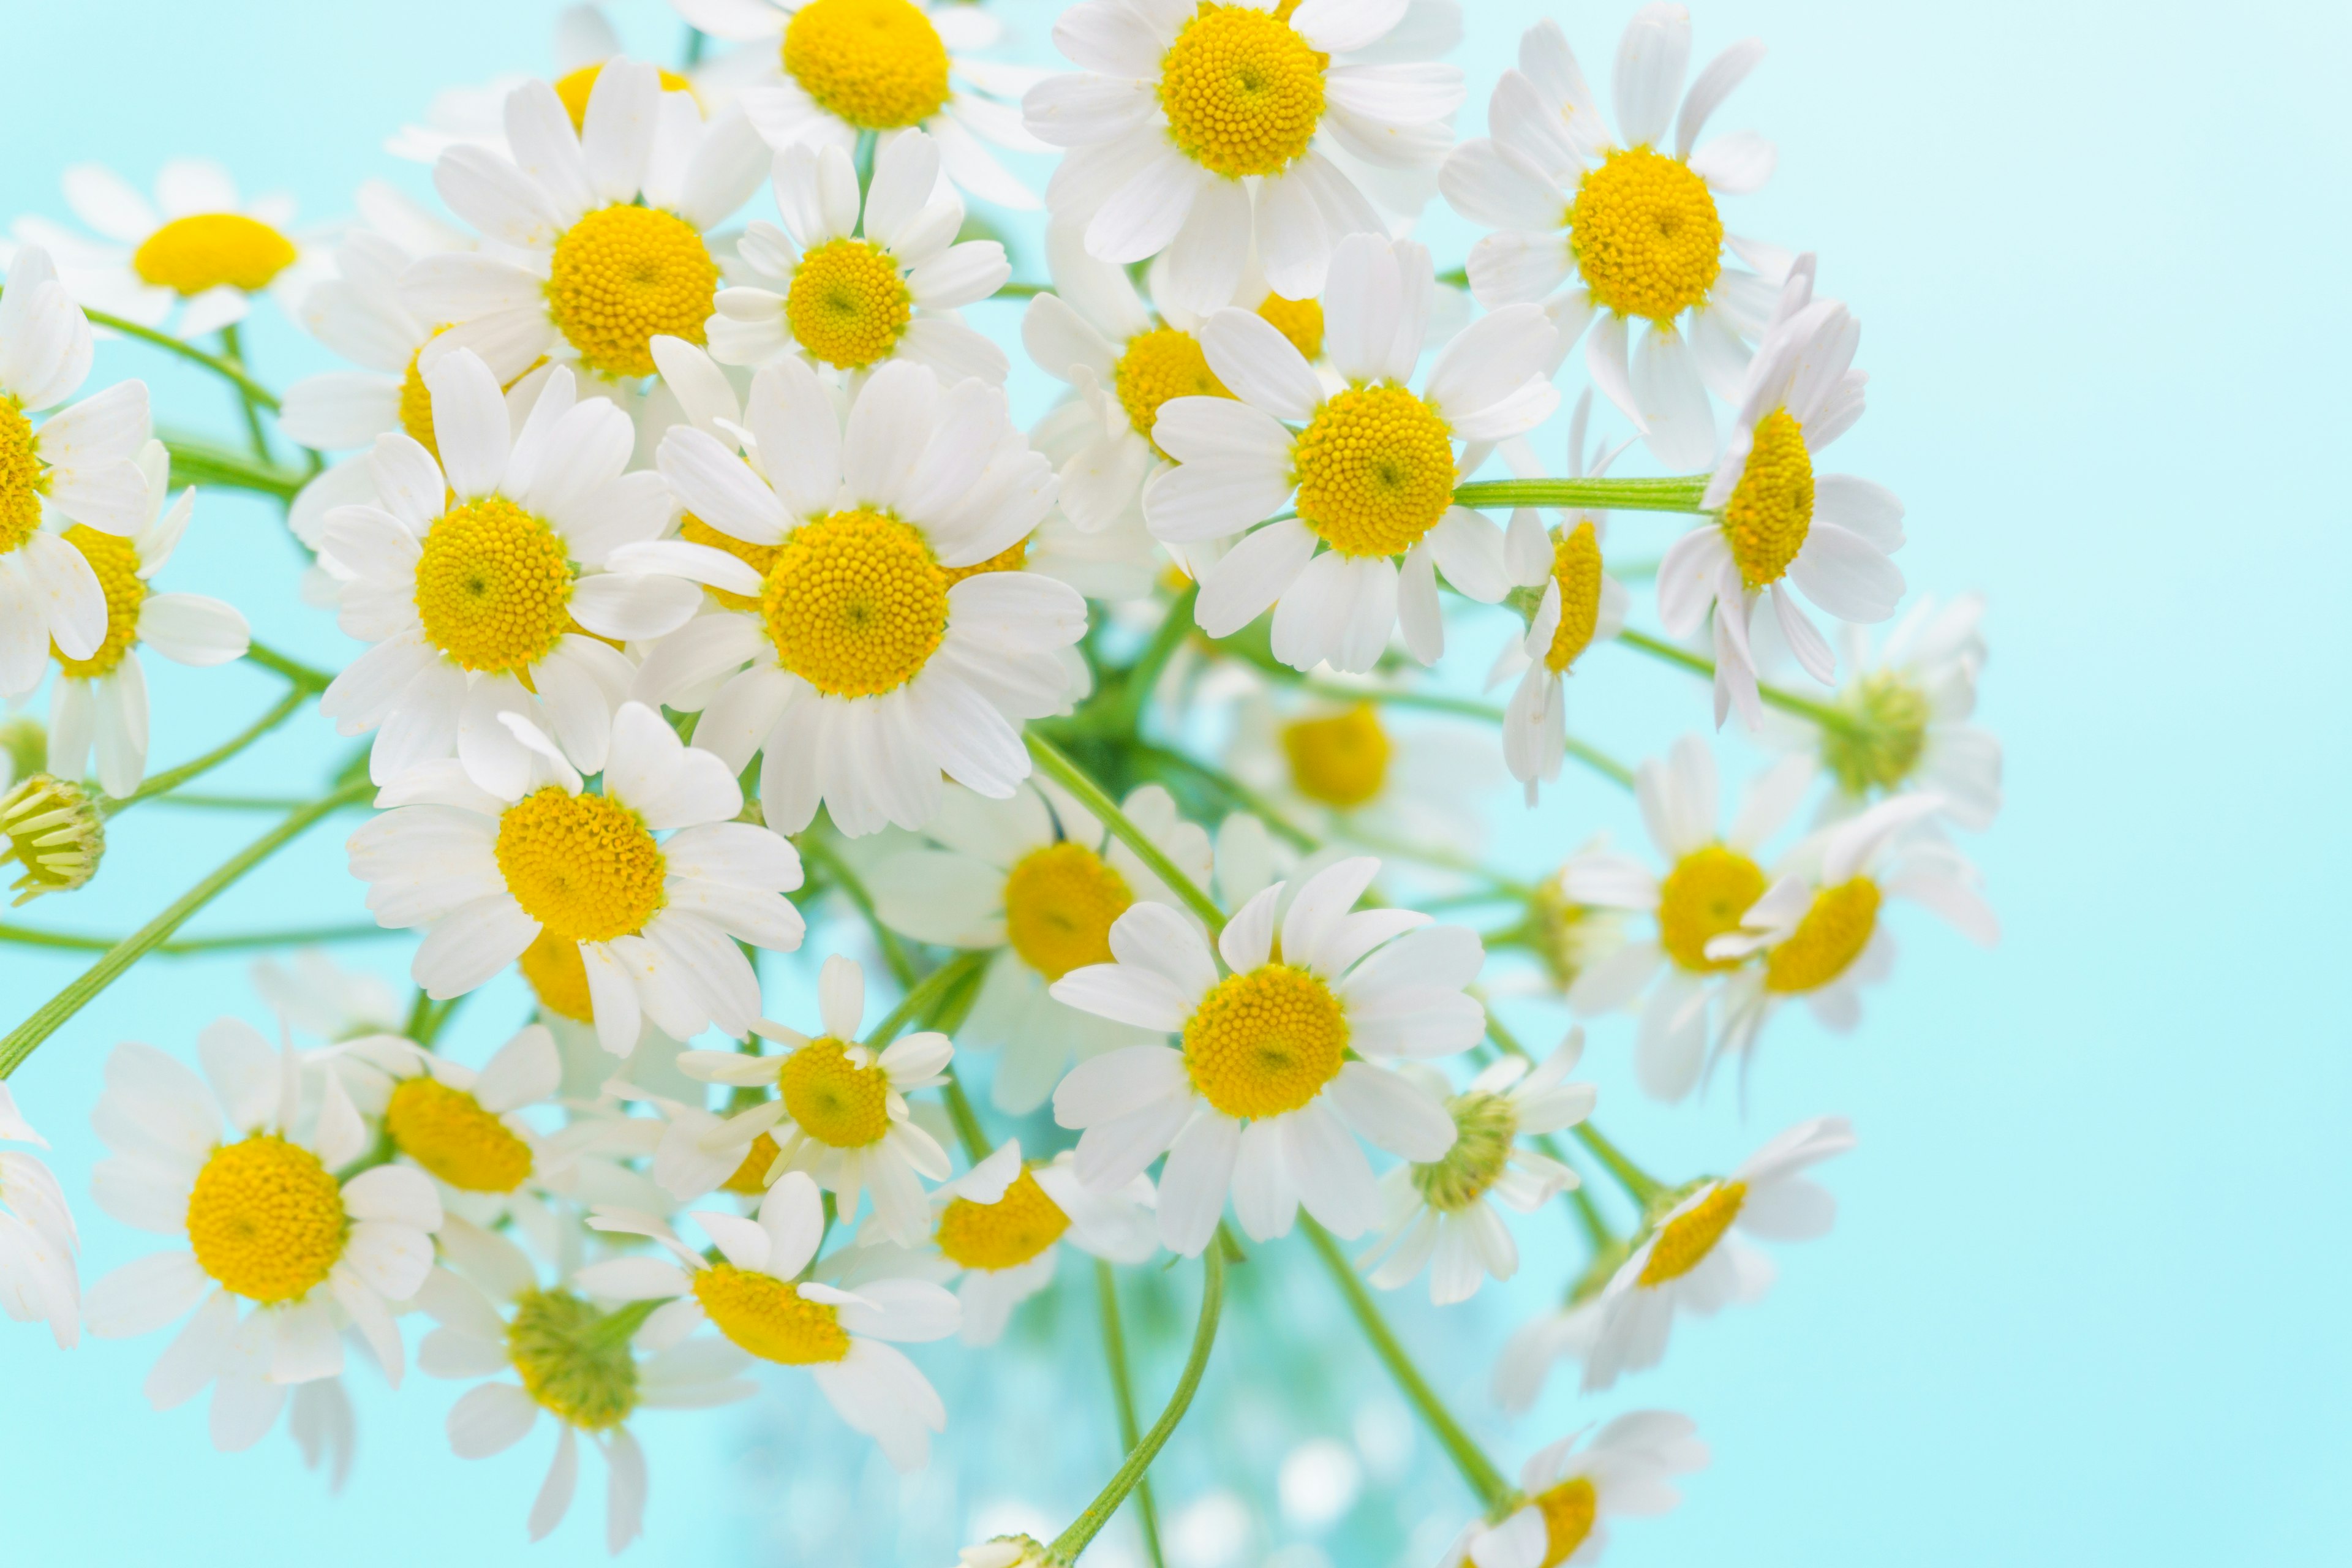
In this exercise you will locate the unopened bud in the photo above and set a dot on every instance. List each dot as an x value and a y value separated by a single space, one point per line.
54 830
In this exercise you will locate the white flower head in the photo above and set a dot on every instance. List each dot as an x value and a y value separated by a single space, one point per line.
319 998
1908 716
1628 1467
38 1240
1336 767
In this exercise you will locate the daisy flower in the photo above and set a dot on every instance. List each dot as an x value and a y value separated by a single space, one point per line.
755 1295
264 1220
1627 1468
1524 1365
1196 130
1710 880
101 701
1775 524
1345 769
1370 474
590 1368
1005 1551
1908 716
77 469
38 1240
1691 1261
657 920
840 1111
1035 880
1262 1099
881 653
479 576
319 998
854 281
1630 224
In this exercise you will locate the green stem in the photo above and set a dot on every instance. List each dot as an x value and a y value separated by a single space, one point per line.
1123 1394
231 802
1588 1213
300 674
928 992
621 1324
1821 713
25 936
433 1017
164 783
197 462
233 352
231 372
1090 795
968 1131
1235 790
1136 683
1599 761
1020 291
1638 1184
1680 494
1437 857
894 952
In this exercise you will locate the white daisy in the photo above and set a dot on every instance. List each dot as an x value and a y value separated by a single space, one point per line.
1371 475
1201 129
1631 226
1627 1468
38 1240
319 999
1005 1551
656 922
1524 1365
1908 716
881 653
1349 770
758 1299
1262 1099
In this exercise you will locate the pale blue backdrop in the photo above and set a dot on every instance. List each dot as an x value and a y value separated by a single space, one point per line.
2084 1303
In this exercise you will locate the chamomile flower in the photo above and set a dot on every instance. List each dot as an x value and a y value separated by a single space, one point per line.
882 652
1039 881
1908 716
319 998
1370 473
1629 222
1710 880
100 702
1196 130
479 577
1005 1551
1627 1468
1261 1100
657 920
1346 769
1524 1365
1691 1262
852 281
38 1240
756 1297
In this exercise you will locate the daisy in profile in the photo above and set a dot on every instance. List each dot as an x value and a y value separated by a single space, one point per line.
1627 1468
100 702
1280 1066
1194 131
851 282
1524 1365
1691 1262
1347 769
881 652
757 1297
279 1257
1037 882
1711 879
657 920
316 996
478 576
38 1240
1629 222
1909 712
1370 470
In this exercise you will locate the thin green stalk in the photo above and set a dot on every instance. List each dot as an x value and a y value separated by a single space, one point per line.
968 1131
1588 1213
697 40
231 802
1020 291
199 462
1681 493
26 936
1123 1394
435 1018
233 350
1437 857
300 674
926 992
1090 795
894 952
1235 790
234 375
170 779
1136 683
1821 713
1638 1184
1599 761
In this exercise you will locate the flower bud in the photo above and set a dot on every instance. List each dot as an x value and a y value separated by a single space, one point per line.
54 830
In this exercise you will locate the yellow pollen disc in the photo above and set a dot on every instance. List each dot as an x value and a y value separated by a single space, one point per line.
267 1218
848 305
877 64
623 276
1702 898
586 1378
1645 236
1771 509
116 560
493 586
416 400
855 603
23 476
447 1132
751 1178
190 255
573 87
1375 470
1267 1042
583 866
769 1317
1157 366
558 976
1829 938
1011 558
1242 91
1576 567
1568 1512
759 558
1685 1241
1341 760
1059 904
832 1099
1300 321
1005 1234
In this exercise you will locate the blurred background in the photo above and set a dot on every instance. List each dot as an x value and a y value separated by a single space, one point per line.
2084 1300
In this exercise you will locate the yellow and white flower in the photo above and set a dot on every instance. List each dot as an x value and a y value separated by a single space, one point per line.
38 1240
1627 1468
1262 1100
1347 770
1908 716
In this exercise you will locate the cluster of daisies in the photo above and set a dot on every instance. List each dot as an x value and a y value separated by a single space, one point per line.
704 584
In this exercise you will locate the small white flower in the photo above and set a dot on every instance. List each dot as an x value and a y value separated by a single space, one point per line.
320 998
1627 1468
1343 770
1524 1365
38 1240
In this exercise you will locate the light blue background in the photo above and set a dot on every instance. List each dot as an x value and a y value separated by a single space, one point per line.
2085 1301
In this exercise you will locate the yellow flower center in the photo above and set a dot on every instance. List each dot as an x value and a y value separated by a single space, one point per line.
573 87
855 603
1685 1240
759 558
1484 1126
847 304
832 1099
493 586
1059 904
571 1362
1702 898
1576 567
877 64
1300 321
1771 509
1267 1042
116 560
23 476
1242 91
190 255
583 866
1645 236
1568 1512
1886 735
267 1218
447 1132
1012 558
1375 470
558 976
1828 940
751 1178
1341 760
769 1317
622 277
1005 1234
1157 366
